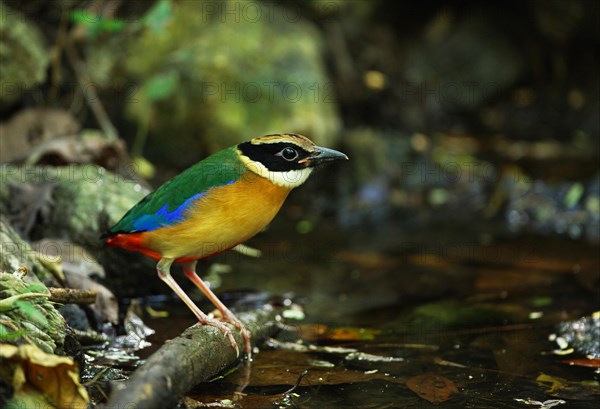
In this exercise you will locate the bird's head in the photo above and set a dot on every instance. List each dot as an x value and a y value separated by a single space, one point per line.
285 159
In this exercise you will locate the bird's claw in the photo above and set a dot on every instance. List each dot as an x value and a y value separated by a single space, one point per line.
245 333
226 332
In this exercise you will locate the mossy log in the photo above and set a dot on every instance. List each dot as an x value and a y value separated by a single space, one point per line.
197 355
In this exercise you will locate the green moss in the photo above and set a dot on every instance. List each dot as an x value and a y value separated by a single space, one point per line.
27 315
23 55
86 199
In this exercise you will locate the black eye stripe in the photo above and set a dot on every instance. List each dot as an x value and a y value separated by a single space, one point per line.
271 155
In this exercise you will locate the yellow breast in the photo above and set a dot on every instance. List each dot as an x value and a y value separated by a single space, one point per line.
225 216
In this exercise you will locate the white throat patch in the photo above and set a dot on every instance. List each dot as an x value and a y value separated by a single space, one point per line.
289 179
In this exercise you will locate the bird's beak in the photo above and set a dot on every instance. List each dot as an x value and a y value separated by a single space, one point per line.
323 155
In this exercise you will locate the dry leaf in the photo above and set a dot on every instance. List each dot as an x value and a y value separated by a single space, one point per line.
55 377
588 362
320 332
432 387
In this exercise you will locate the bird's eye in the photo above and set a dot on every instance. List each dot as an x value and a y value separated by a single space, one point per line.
289 154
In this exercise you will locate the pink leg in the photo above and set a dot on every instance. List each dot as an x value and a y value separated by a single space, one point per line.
189 269
163 269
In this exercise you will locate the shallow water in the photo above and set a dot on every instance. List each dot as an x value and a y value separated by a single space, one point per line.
460 318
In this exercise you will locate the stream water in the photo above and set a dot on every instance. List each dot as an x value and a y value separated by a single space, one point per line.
407 319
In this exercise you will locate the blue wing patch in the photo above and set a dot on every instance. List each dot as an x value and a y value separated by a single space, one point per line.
163 217
169 204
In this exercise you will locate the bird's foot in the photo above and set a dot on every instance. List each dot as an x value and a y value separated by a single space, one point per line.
224 329
230 318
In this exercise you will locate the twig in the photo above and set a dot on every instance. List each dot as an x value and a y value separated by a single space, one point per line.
56 66
72 296
90 93
297 383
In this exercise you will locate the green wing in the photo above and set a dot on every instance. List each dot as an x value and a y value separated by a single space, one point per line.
167 204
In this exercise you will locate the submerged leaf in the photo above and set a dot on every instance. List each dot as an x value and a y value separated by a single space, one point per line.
352 334
563 388
432 387
587 362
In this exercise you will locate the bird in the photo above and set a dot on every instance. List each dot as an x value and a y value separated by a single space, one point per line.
216 205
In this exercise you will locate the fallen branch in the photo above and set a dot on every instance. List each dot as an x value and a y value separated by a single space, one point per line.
198 354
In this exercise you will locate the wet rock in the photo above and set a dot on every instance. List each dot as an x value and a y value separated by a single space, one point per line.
33 127
41 137
75 317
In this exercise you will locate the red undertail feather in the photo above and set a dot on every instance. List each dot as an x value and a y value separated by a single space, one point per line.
132 242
